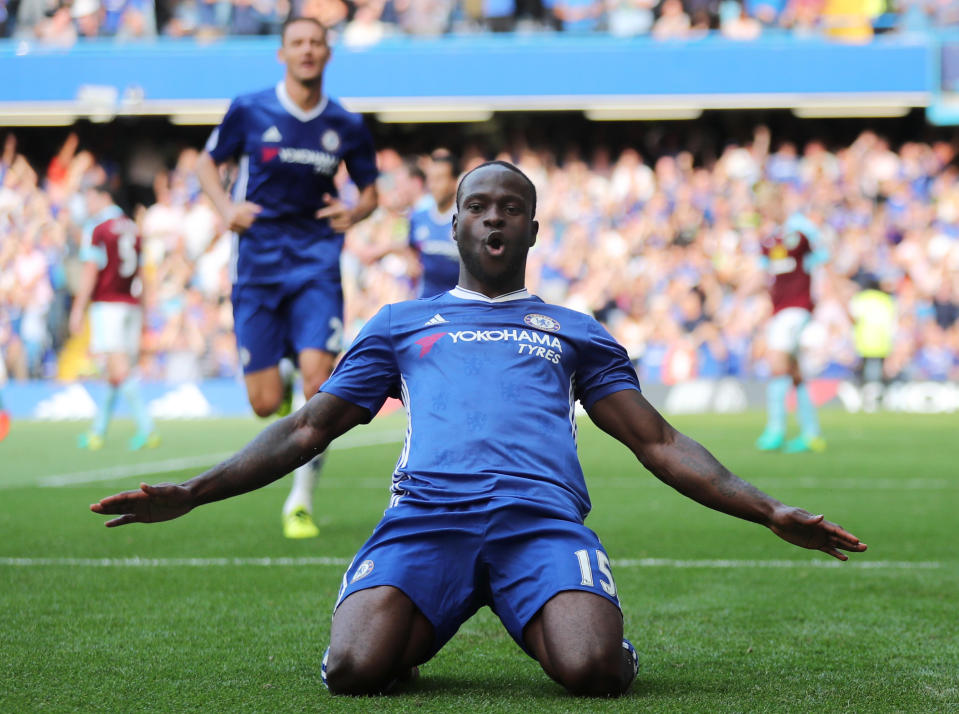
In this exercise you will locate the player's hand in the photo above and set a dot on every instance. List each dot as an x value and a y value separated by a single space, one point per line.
802 528
150 504
337 212
241 216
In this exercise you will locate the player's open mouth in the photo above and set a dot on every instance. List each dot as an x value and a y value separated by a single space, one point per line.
495 244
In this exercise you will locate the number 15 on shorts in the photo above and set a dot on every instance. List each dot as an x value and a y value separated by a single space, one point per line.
606 581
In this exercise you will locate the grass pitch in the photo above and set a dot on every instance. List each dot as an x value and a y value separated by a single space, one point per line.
218 612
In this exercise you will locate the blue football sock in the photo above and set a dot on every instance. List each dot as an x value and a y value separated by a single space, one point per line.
105 411
131 392
806 412
776 392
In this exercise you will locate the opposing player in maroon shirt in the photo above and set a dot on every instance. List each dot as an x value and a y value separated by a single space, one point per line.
110 285
790 251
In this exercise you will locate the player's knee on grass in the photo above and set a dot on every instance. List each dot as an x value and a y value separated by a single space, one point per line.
359 671
377 636
598 671
578 639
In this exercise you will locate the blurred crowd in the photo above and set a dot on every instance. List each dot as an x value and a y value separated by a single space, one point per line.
365 22
664 252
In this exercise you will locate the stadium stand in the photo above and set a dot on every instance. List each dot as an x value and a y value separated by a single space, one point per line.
650 225
366 22
664 252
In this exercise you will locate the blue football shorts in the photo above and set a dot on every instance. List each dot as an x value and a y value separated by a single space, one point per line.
450 562
279 320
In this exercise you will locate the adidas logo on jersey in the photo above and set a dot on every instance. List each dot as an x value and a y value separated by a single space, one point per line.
272 135
437 319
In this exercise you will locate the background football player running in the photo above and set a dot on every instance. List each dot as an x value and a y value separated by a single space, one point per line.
110 285
288 223
791 249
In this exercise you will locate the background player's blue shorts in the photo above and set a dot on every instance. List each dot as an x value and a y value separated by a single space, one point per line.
510 556
279 320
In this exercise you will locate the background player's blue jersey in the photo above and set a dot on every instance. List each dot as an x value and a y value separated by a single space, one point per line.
431 235
287 160
490 388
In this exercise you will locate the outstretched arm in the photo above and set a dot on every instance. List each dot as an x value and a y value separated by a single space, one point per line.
684 464
278 449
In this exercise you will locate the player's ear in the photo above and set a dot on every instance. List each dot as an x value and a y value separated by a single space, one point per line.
281 55
533 232
455 216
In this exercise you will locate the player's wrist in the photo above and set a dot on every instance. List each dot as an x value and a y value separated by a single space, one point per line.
201 489
779 513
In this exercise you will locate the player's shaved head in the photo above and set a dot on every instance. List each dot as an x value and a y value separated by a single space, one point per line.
506 165
293 20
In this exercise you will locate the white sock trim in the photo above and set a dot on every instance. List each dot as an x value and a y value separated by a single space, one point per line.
305 479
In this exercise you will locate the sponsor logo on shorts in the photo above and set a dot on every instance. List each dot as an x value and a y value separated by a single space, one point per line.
244 356
541 322
366 567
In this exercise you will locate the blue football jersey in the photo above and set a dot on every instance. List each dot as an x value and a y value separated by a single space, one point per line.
287 160
431 235
489 388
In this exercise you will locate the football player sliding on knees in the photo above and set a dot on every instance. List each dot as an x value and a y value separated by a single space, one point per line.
483 509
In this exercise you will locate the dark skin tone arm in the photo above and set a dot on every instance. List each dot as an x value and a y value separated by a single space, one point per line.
688 467
276 451
671 456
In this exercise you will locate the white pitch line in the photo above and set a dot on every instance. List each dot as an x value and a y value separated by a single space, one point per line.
343 562
863 564
116 472
170 562
158 467
864 485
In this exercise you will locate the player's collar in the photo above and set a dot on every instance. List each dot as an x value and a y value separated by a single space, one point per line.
465 294
287 103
